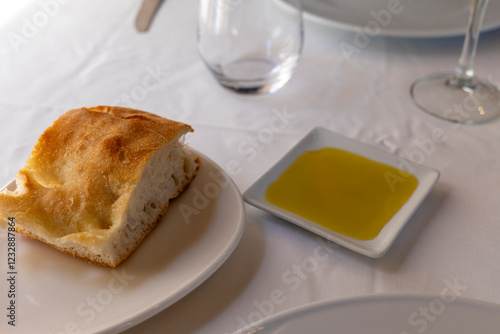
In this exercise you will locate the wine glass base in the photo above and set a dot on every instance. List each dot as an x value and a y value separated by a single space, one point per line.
472 102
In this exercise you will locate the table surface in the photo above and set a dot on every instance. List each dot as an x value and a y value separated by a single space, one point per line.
89 53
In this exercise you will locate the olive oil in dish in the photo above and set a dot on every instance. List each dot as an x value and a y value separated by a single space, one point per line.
342 191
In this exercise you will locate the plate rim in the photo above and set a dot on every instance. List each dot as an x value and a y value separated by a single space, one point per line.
202 276
118 326
300 310
489 23
254 195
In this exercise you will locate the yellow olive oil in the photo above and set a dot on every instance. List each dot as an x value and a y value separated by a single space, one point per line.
342 191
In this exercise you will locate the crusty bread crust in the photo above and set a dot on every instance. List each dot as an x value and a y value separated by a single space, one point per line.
82 173
26 232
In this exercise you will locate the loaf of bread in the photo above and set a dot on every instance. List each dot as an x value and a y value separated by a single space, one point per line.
98 180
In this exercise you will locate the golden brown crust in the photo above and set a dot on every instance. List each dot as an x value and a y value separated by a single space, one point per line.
26 232
87 162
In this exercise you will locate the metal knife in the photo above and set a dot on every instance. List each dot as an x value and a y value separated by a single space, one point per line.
146 14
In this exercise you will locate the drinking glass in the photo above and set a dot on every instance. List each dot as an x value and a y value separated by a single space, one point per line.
250 46
460 96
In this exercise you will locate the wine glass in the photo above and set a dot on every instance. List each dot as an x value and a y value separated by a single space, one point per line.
460 96
250 46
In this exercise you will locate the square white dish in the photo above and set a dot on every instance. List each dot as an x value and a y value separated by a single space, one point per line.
320 138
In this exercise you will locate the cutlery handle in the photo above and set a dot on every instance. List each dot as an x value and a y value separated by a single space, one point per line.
146 14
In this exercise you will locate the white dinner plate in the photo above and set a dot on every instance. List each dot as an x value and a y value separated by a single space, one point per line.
380 314
320 138
59 294
422 18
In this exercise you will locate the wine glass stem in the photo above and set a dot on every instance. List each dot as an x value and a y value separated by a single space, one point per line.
464 72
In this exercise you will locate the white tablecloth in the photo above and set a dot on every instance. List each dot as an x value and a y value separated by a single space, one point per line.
88 53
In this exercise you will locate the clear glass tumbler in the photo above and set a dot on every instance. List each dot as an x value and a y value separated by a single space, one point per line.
251 46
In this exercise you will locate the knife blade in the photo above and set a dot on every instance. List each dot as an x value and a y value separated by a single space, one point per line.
146 14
